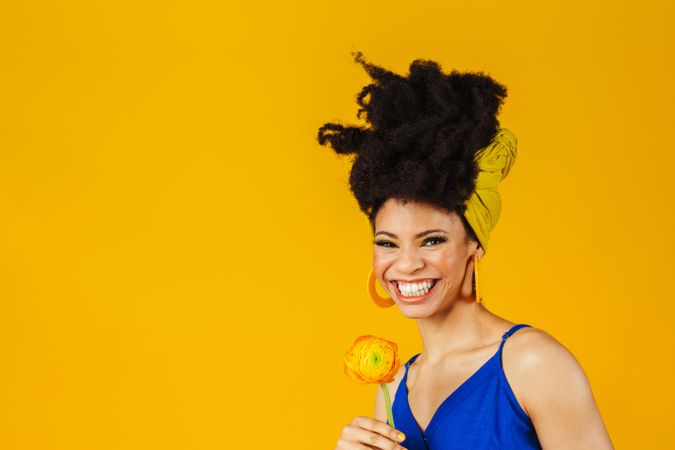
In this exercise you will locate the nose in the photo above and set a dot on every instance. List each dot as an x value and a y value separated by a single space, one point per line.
409 260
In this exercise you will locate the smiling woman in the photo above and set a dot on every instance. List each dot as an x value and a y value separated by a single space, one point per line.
426 172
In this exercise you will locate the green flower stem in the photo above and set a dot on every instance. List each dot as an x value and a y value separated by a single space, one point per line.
387 402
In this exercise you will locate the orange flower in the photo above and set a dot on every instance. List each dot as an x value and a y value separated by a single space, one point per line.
372 359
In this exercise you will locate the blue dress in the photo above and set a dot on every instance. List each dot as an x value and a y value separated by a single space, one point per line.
482 413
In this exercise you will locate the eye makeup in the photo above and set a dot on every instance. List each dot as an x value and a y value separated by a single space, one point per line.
439 239
388 244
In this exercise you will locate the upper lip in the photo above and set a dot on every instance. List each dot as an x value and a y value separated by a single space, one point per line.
415 280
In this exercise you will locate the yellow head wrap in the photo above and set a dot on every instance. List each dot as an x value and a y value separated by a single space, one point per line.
485 204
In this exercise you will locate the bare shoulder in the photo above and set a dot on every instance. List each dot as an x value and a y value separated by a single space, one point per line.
532 351
554 391
380 405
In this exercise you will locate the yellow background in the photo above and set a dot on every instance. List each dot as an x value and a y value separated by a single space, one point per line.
183 266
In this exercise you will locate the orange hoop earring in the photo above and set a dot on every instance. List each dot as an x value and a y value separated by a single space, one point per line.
475 278
382 302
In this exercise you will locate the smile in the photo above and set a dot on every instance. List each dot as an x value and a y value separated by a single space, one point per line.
415 292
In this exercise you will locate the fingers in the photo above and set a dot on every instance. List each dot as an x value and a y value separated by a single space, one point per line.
365 433
380 427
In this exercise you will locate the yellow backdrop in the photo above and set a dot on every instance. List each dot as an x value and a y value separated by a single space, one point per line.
183 266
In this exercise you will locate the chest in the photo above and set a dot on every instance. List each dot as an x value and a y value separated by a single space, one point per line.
429 388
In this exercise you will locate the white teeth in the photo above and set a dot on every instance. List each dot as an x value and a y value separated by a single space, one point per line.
415 289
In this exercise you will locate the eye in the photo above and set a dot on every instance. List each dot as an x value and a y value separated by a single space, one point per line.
438 239
385 244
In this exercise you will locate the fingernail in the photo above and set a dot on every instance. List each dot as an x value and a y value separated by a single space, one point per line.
401 436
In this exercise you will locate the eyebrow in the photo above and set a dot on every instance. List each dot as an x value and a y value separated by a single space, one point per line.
418 235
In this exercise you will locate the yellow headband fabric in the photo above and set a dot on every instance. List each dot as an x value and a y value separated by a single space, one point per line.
485 204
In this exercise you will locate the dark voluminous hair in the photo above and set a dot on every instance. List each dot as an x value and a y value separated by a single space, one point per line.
421 136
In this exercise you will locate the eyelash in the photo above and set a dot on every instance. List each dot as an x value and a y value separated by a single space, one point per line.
432 238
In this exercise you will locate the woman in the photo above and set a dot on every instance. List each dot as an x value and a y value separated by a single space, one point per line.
425 172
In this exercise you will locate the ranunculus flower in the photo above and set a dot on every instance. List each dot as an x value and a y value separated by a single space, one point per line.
372 359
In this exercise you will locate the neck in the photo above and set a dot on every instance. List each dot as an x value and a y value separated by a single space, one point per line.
463 326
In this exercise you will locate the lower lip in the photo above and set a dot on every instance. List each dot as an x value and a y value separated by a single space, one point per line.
414 300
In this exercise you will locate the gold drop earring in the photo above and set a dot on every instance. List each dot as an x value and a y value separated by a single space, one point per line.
382 302
479 299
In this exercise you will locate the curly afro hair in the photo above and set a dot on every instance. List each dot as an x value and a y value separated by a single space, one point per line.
422 135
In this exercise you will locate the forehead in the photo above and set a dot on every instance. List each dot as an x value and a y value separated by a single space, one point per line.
412 217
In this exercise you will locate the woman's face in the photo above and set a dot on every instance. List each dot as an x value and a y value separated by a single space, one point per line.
421 256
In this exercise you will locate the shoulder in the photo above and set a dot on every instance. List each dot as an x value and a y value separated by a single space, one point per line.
553 389
531 351
380 405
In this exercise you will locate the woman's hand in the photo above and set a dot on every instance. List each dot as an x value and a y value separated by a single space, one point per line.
368 433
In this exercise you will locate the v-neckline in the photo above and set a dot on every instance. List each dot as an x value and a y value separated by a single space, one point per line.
453 399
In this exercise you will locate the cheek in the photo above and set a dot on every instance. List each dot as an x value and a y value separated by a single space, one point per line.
447 263
381 262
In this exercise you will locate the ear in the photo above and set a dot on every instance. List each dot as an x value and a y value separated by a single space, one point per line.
467 283
480 252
